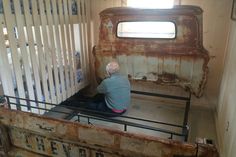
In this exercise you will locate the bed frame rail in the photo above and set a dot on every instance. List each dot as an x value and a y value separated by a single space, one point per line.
163 129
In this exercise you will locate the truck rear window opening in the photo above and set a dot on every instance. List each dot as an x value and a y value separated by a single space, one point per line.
146 29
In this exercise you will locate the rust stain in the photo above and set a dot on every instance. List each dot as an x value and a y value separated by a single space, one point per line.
187 45
167 78
79 138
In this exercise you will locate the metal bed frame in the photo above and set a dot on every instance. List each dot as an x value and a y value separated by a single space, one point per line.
187 101
122 120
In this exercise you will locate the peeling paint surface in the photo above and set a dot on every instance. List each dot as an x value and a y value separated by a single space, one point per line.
181 61
60 138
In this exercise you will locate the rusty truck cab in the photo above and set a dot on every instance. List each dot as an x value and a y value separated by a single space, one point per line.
175 56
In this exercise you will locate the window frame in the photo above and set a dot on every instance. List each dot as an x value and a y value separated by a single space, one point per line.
176 31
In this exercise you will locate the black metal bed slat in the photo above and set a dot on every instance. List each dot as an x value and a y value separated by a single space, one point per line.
187 100
125 123
93 112
97 116
161 95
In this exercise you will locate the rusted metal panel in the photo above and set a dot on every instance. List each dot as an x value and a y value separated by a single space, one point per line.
181 61
42 136
4 141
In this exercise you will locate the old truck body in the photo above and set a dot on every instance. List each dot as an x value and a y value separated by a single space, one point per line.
25 135
177 58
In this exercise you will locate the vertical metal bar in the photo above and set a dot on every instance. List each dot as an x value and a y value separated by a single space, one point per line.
125 127
185 122
8 102
78 118
187 107
186 133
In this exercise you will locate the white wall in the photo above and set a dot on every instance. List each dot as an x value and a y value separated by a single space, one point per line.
1 89
96 7
226 109
216 18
